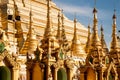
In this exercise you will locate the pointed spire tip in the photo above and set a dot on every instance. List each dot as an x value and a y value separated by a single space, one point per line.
94 10
114 15
101 28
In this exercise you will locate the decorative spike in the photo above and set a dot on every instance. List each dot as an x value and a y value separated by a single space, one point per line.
95 48
114 36
48 13
64 41
114 15
114 50
77 50
103 43
58 36
75 29
30 44
30 23
102 37
48 25
63 29
88 44
95 38
49 37
31 32
94 10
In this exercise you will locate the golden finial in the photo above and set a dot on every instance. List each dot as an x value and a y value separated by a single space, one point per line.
30 21
88 43
114 17
75 37
62 18
59 27
95 37
103 43
95 42
64 41
48 25
63 35
48 13
102 37
114 50
95 10
114 36
77 49
63 28
75 29
31 42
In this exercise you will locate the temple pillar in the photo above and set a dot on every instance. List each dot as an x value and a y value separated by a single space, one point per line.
70 74
48 72
15 74
55 74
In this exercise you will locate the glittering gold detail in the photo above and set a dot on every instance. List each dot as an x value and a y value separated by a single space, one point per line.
31 42
88 43
77 50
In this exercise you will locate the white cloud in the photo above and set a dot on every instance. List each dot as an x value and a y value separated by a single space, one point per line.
79 10
85 11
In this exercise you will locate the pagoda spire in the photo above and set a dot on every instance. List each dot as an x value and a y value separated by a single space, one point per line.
48 28
31 29
95 48
77 49
17 26
95 38
75 38
63 28
49 42
30 23
58 36
114 50
103 43
64 41
102 37
88 44
114 44
30 44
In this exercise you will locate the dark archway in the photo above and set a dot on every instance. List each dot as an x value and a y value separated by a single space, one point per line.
111 76
61 74
5 73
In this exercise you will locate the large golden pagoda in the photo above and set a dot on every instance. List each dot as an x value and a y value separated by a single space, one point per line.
38 42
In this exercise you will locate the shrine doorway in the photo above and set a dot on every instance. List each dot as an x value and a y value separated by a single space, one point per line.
61 74
5 73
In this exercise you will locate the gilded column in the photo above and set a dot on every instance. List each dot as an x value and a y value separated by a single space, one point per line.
71 74
88 44
55 74
15 74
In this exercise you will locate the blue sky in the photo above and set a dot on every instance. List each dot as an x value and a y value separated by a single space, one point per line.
84 8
